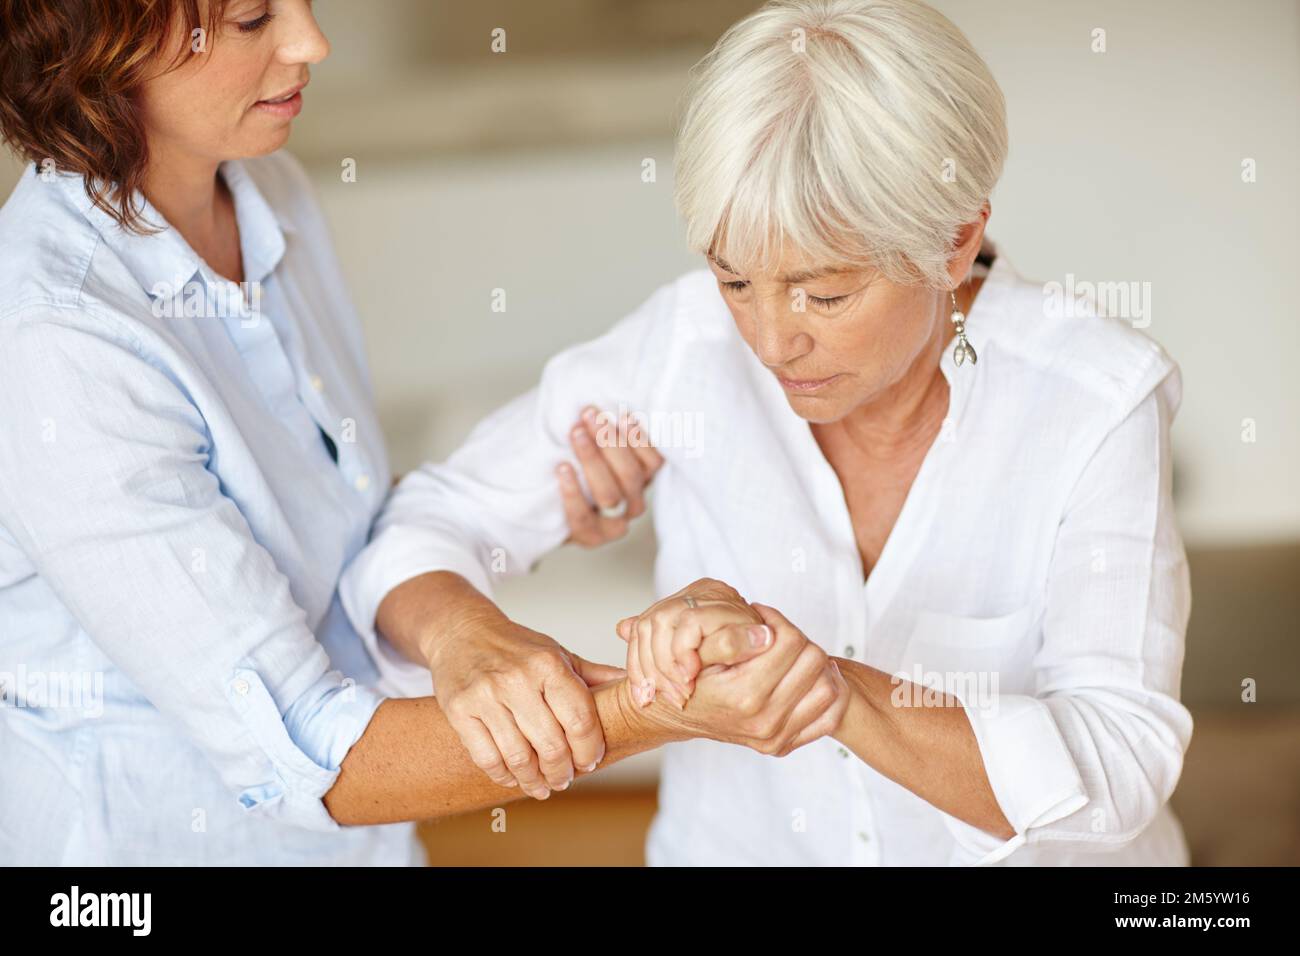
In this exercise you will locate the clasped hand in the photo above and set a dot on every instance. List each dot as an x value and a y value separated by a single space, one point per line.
723 669
731 671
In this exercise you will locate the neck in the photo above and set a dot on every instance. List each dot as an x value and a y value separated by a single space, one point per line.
184 190
905 417
196 203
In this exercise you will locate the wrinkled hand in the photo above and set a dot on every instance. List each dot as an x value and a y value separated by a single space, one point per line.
664 640
521 703
780 691
618 463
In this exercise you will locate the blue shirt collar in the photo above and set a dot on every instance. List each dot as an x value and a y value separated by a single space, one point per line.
166 258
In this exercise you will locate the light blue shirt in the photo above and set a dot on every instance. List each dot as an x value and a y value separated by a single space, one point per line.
179 683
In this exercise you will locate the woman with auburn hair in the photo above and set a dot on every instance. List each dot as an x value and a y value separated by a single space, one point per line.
190 456
958 494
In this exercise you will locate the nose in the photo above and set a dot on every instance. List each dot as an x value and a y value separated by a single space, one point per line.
778 337
302 40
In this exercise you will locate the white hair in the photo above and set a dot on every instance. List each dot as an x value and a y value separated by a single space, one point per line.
855 132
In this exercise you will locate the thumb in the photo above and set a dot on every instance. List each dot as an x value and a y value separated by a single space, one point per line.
592 673
772 617
735 643
624 628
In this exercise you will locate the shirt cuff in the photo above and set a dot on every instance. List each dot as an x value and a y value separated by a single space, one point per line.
396 555
1029 767
304 747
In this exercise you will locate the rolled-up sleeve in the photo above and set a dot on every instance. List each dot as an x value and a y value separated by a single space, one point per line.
105 486
1090 758
493 509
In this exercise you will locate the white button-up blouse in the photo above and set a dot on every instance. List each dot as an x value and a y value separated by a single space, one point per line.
1036 571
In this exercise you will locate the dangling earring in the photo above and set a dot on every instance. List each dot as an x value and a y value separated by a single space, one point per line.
962 350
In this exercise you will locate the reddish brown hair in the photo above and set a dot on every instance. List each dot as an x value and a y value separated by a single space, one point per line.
69 74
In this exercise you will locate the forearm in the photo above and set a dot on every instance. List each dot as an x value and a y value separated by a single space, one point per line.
417 614
930 750
410 764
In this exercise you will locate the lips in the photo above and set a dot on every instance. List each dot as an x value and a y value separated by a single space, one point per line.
805 385
283 106
284 97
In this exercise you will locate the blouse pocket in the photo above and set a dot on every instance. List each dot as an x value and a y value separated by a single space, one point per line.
996 653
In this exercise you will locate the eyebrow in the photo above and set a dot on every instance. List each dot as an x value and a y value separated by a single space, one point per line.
792 278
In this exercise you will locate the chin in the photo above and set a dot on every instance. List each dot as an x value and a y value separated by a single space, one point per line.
817 410
263 145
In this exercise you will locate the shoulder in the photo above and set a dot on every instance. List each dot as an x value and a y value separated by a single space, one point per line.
47 245
678 309
61 365
643 356
1080 344
687 312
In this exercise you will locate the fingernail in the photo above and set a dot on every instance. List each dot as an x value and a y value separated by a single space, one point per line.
567 783
760 635
580 435
589 414
590 767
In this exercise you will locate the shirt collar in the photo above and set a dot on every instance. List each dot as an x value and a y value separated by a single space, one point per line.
165 258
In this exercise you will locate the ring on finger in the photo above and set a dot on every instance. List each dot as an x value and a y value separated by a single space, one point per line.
614 512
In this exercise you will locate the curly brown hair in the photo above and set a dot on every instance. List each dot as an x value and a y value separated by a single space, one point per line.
69 74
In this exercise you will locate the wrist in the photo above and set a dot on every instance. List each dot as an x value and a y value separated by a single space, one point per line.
442 632
644 723
861 718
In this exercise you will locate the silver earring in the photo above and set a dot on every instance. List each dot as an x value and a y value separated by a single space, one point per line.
962 350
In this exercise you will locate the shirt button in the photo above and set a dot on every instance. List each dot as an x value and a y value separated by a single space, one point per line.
241 686
362 482
843 752
317 384
848 651
864 837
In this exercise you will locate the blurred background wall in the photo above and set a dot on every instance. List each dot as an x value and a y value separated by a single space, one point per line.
522 170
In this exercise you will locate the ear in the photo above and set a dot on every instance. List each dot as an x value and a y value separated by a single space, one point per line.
967 246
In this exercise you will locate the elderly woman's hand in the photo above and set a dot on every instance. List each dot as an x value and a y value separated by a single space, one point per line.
618 463
787 692
664 640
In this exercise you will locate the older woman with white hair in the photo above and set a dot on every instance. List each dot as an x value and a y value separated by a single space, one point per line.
870 422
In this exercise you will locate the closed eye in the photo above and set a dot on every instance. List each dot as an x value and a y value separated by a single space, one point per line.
252 26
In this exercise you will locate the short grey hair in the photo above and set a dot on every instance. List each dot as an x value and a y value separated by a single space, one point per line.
857 132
